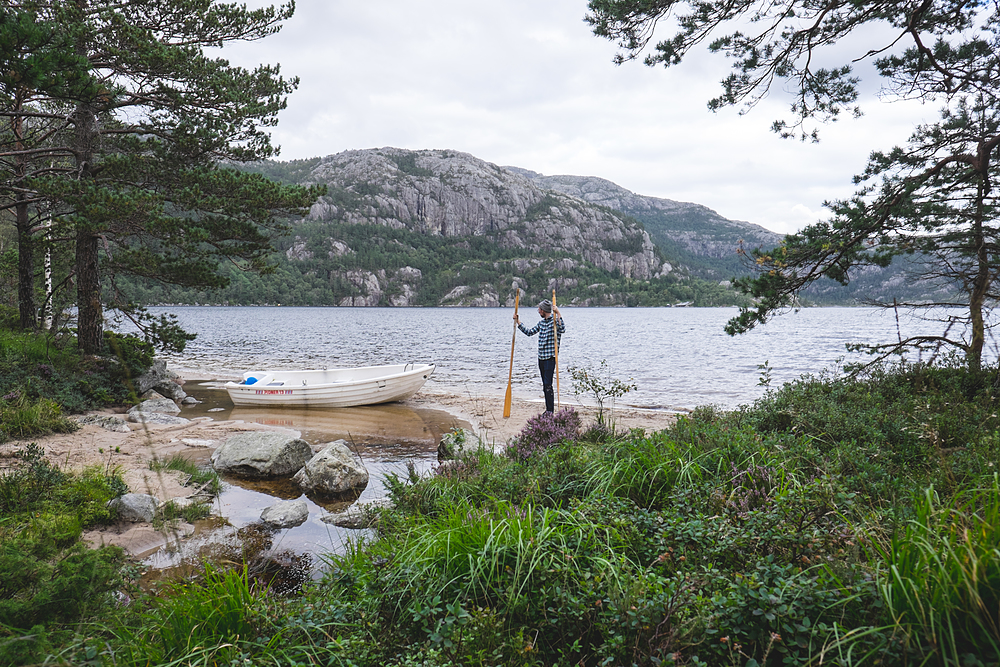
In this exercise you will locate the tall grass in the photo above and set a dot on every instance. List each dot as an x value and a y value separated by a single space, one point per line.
211 622
22 418
496 555
940 576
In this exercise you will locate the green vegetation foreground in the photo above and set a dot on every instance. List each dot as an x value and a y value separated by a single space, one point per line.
836 521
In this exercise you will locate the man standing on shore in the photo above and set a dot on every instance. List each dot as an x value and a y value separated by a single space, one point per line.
550 326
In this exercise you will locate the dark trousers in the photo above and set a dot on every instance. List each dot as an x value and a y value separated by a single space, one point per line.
547 367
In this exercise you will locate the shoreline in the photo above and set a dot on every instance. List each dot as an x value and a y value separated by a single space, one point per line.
135 447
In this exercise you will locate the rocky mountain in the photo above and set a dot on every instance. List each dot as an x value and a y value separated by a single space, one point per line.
687 234
438 227
490 229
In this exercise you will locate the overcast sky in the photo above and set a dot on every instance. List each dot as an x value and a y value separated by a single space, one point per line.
525 83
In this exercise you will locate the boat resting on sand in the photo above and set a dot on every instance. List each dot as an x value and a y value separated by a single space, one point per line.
330 388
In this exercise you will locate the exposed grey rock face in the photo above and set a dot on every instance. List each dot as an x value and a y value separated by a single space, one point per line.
333 471
286 514
261 454
135 507
447 193
708 242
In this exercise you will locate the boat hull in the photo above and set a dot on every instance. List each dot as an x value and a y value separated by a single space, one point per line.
333 387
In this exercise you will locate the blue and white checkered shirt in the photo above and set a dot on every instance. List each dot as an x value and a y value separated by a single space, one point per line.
546 341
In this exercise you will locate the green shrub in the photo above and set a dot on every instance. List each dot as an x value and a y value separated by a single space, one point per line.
31 480
44 366
41 584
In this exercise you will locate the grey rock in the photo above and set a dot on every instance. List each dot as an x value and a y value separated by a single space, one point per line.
162 380
456 443
286 514
135 507
190 400
333 471
261 454
198 442
107 422
164 405
358 516
158 418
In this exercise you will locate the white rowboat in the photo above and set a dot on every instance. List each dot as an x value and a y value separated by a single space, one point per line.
330 388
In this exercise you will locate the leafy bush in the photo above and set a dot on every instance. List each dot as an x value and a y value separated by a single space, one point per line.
32 479
43 366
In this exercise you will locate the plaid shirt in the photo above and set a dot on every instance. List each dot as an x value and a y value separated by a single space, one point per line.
546 343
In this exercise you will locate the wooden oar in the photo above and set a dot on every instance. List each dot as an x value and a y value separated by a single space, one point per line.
510 375
555 339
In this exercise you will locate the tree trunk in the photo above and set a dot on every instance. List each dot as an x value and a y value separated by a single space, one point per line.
980 286
25 268
25 247
90 315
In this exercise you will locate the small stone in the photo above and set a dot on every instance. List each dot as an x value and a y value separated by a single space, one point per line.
286 514
198 442
135 507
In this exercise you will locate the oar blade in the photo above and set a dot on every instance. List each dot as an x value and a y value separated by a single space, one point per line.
506 403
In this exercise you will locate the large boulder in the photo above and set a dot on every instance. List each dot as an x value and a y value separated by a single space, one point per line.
334 471
286 514
135 507
261 454
162 380
156 410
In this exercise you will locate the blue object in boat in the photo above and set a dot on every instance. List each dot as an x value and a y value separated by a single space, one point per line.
251 380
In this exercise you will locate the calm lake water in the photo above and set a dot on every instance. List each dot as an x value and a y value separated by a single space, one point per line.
678 357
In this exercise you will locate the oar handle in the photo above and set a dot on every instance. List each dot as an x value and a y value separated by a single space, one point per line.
555 339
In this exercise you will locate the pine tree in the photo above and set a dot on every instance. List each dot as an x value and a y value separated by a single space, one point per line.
148 191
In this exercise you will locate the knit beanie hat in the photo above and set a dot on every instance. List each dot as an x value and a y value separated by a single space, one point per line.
545 306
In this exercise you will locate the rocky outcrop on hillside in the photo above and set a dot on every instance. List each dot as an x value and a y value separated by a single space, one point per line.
452 194
696 228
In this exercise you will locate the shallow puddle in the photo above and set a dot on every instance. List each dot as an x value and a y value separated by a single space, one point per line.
386 437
